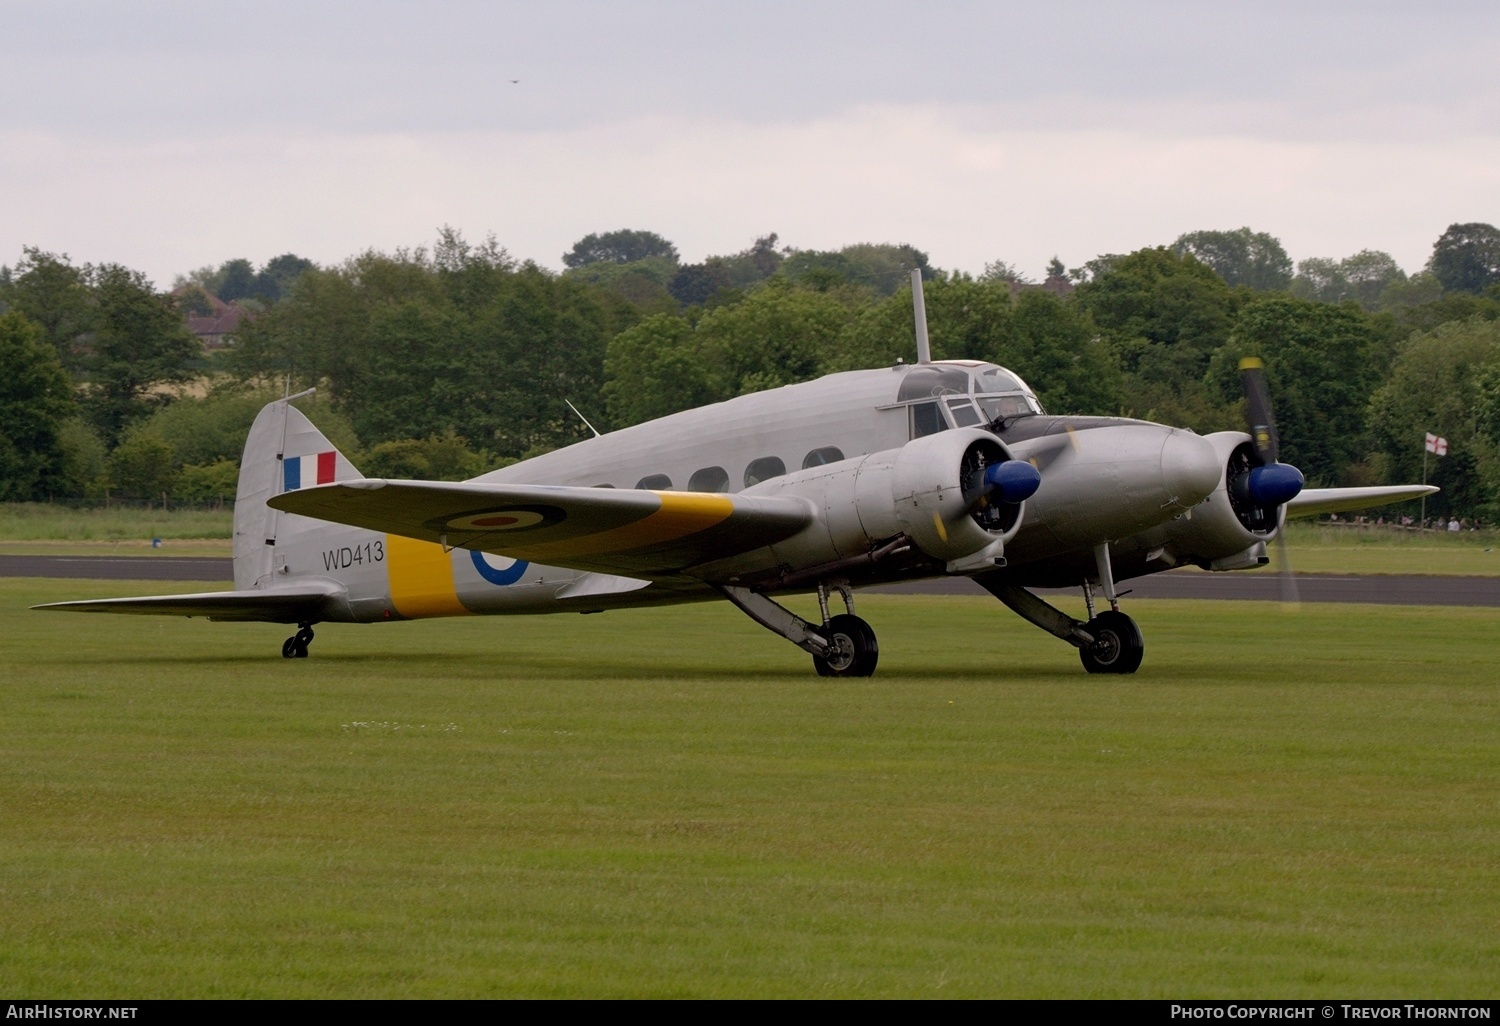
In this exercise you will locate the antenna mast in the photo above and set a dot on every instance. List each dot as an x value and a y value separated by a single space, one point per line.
919 311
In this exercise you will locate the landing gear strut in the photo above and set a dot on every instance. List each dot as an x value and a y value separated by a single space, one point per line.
295 647
1108 642
842 646
1117 646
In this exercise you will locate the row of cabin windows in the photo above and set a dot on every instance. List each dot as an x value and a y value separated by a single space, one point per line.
716 479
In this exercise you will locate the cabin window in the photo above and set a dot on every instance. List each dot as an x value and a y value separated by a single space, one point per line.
822 457
763 469
655 483
709 479
926 419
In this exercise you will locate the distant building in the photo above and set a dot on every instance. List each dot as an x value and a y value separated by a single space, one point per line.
213 325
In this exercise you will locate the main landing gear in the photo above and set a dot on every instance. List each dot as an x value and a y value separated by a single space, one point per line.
842 646
1108 642
295 647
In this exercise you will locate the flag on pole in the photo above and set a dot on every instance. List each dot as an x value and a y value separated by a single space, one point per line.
1437 446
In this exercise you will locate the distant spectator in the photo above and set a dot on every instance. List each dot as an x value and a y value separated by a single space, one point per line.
1453 523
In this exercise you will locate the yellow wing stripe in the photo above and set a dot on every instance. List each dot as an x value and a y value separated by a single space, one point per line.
421 578
681 514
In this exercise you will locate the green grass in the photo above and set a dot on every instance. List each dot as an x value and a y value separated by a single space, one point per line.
43 527
1350 550
670 803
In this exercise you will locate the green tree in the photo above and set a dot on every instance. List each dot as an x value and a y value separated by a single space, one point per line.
140 342
1466 257
212 429
1320 371
236 280
1444 381
439 458
753 265
654 368
54 295
1364 278
85 461
143 466
212 482
275 280
1241 257
625 246
1163 315
883 267
696 284
35 399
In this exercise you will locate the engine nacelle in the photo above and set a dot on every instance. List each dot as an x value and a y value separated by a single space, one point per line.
1223 532
925 490
930 494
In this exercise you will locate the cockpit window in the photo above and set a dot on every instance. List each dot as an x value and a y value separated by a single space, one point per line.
1004 407
926 381
963 412
998 379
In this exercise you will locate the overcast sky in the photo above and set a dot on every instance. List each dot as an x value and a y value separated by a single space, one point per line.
170 135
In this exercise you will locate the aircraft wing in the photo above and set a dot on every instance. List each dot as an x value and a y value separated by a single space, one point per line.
1311 502
306 602
618 531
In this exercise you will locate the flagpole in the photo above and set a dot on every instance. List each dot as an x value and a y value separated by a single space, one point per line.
1424 484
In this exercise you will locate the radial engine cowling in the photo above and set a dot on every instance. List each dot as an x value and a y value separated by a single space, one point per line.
957 495
1228 530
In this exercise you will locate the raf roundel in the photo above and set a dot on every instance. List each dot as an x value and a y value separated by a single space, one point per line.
515 518
509 572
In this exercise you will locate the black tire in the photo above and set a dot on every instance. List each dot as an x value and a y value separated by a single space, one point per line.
289 649
1118 646
857 651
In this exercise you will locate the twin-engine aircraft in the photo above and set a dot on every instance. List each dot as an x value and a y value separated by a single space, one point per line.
856 479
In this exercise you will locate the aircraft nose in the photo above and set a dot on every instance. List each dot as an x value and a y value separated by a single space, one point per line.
1190 468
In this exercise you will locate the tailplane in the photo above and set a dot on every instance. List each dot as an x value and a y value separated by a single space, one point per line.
283 452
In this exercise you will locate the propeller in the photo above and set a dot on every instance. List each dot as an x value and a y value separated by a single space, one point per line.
1266 483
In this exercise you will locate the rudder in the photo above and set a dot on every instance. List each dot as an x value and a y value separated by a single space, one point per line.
283 452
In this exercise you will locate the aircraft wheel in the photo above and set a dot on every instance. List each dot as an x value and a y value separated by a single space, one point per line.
1118 646
855 651
289 649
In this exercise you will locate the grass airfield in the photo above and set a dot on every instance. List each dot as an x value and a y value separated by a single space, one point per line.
670 803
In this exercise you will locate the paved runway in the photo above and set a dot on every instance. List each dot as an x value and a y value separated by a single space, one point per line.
1254 585
120 568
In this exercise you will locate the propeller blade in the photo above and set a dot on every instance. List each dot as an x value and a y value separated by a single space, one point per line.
1260 423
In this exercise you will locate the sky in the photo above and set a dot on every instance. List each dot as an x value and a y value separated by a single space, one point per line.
171 135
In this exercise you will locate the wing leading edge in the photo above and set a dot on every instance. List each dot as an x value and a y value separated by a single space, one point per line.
1312 502
618 531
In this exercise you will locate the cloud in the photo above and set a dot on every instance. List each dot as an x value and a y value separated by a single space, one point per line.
953 181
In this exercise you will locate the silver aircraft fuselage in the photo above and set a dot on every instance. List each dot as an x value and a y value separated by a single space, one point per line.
1103 480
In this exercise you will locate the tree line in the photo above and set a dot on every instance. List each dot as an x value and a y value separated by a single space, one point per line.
446 360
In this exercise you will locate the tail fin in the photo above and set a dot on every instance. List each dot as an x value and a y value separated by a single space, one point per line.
283 452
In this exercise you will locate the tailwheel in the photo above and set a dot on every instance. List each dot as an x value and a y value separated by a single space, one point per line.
295 647
853 650
1117 646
